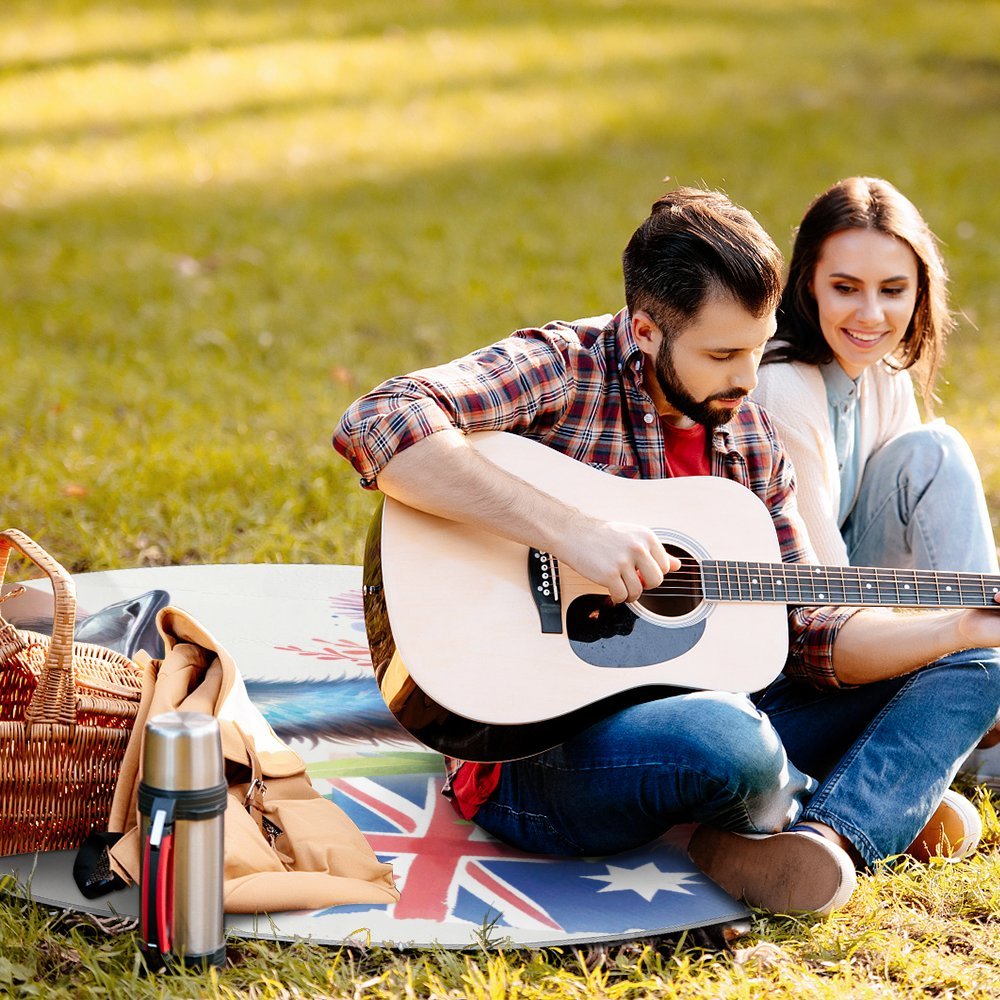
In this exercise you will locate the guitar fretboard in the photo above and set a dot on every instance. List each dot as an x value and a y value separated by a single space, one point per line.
800 583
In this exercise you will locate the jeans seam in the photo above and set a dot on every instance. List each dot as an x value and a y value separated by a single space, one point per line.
926 538
815 809
541 819
893 497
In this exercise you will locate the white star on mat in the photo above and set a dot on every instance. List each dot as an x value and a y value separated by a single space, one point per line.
646 880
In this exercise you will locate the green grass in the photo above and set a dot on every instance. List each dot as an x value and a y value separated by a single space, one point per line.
221 221
914 931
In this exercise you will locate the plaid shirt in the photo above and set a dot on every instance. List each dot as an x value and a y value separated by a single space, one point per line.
577 387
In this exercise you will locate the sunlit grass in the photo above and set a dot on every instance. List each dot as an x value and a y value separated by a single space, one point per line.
216 219
354 106
219 222
909 932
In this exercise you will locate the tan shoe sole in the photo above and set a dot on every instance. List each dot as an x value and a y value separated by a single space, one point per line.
953 832
782 872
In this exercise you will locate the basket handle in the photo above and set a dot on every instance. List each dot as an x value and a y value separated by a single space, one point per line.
54 700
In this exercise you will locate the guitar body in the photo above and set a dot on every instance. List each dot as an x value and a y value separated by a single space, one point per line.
458 636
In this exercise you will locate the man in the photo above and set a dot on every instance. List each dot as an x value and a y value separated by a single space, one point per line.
851 750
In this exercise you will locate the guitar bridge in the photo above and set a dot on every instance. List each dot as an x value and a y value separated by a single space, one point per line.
543 578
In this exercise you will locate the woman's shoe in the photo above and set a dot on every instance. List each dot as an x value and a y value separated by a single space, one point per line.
953 831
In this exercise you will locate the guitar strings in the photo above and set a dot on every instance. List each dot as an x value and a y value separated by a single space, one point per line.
690 581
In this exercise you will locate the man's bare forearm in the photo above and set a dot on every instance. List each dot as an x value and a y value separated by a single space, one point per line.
878 643
444 475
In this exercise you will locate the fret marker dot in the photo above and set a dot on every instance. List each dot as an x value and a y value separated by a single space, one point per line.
947 588
868 586
823 596
906 586
753 579
780 582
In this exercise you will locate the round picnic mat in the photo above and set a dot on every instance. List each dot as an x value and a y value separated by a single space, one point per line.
297 634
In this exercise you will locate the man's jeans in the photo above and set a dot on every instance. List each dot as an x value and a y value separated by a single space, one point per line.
703 756
883 755
920 505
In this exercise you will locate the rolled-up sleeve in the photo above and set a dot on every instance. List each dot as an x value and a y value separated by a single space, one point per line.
382 423
812 632
515 384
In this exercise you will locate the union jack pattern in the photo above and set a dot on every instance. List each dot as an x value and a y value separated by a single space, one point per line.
452 873
456 878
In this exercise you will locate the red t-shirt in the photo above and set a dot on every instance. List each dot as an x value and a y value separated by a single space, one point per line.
686 455
686 450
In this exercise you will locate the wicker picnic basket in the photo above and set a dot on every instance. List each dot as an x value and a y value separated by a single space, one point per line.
66 711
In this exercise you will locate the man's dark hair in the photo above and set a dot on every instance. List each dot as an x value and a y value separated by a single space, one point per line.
694 244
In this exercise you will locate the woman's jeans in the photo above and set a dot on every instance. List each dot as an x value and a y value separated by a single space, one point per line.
920 505
883 754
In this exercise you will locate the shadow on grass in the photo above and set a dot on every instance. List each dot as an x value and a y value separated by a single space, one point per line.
229 25
180 354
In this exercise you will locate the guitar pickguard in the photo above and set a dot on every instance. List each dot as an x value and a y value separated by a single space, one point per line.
612 635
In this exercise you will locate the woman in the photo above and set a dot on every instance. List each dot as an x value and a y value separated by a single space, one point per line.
865 304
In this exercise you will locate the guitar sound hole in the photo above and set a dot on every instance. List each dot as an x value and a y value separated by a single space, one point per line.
680 593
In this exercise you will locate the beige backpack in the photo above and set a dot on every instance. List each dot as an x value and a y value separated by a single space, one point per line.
286 847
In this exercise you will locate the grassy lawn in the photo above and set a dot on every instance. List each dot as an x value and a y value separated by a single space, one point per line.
223 220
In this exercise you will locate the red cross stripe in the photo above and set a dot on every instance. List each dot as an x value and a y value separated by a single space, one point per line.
442 852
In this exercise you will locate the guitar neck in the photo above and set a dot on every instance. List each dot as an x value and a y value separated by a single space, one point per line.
801 583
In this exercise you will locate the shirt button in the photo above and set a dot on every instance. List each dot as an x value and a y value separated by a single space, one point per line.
648 418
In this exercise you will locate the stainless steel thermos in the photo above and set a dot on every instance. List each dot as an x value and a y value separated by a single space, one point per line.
182 801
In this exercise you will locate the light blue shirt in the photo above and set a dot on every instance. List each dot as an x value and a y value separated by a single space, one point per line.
842 402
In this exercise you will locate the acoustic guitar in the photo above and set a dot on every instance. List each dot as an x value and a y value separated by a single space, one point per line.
488 650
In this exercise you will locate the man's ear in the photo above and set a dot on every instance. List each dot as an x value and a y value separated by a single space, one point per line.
646 333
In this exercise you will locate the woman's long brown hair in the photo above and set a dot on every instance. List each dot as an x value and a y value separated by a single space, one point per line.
866 203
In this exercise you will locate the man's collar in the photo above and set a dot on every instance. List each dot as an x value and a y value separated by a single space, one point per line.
631 356
722 439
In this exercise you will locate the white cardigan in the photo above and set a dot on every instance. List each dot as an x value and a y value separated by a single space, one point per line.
794 395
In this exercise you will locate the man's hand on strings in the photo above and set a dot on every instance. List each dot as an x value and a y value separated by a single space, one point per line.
624 558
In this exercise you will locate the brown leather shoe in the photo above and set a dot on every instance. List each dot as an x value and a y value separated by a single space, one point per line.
991 739
788 872
953 832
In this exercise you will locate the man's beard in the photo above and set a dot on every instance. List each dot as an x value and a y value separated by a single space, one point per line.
680 399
